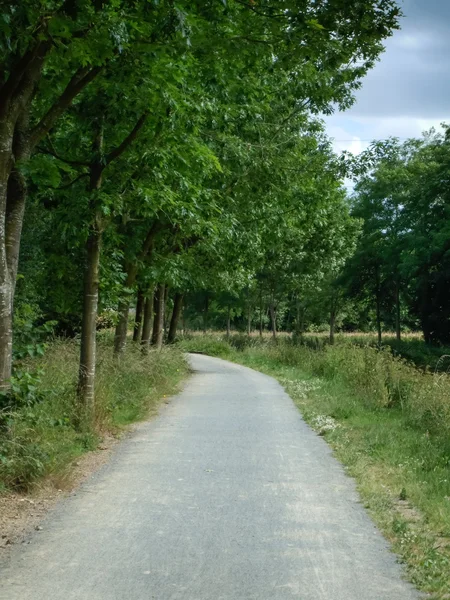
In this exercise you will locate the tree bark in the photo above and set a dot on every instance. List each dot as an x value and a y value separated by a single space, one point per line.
137 329
86 380
166 308
177 307
273 318
260 314
228 322
183 323
158 318
6 285
332 325
205 314
147 322
120 336
249 320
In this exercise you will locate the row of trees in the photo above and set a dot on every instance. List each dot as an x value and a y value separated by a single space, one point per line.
402 262
168 143
397 272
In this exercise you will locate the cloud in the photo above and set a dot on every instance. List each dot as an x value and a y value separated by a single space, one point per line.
408 91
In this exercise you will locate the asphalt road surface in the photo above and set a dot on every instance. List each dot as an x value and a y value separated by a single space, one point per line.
227 495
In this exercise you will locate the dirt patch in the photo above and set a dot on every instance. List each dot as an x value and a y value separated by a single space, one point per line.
21 513
408 512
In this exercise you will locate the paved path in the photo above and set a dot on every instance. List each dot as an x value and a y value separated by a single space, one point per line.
227 495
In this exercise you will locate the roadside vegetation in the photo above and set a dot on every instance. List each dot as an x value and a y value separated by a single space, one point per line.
44 432
387 421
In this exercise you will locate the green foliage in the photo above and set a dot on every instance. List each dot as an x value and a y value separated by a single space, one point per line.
40 439
402 258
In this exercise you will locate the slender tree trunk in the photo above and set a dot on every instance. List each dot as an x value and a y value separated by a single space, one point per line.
86 379
332 324
249 320
120 337
137 329
184 319
147 322
13 193
228 322
88 350
260 314
166 309
6 285
273 318
158 318
397 311
205 314
177 307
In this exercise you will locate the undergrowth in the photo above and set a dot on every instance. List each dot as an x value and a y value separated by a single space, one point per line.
40 438
387 421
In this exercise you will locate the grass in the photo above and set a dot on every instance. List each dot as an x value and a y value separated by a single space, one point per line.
41 440
388 422
411 347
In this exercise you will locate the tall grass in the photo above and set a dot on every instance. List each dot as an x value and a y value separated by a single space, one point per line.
41 440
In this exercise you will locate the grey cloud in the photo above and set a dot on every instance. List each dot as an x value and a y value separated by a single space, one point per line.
411 79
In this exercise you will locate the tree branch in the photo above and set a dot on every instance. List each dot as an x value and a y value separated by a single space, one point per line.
127 141
52 152
68 185
261 14
82 77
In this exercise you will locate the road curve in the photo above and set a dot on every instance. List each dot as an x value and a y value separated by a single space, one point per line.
227 495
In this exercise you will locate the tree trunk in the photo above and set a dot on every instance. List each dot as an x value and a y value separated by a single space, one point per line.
166 308
228 322
158 318
86 378
13 192
184 319
332 324
205 314
6 285
397 311
273 318
177 307
249 320
120 336
137 329
260 314
6 295
147 322
88 350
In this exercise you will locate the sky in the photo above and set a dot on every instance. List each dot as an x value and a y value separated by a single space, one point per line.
408 91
